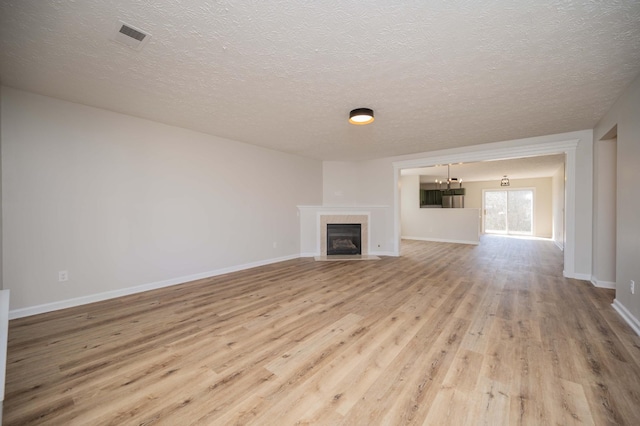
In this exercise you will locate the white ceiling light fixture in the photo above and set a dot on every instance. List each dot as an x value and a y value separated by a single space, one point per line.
361 116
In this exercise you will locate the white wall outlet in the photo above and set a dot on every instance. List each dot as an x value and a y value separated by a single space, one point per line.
632 286
63 276
275 244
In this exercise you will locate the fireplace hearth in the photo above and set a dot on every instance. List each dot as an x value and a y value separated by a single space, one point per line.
344 238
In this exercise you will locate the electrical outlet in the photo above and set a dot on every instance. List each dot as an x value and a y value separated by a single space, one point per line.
63 276
632 286
275 244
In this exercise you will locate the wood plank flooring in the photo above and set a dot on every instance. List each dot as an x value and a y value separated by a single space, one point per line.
444 335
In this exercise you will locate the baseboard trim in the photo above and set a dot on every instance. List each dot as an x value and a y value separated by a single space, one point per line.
309 254
98 297
4 337
373 253
559 245
627 316
441 240
577 276
383 253
603 284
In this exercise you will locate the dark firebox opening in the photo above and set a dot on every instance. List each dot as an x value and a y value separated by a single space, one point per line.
343 238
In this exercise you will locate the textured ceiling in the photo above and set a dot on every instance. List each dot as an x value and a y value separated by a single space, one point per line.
285 74
519 168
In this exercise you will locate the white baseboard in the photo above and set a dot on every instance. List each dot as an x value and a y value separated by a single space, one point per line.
373 253
4 336
577 276
83 300
310 254
441 240
602 284
383 253
559 244
627 316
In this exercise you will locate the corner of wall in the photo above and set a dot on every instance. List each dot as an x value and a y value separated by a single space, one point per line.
627 316
1 261
136 202
339 183
622 117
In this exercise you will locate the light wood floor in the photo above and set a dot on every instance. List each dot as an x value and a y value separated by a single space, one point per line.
446 334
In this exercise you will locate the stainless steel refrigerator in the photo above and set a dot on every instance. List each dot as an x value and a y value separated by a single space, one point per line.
453 201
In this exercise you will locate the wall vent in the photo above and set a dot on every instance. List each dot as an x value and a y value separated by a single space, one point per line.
130 36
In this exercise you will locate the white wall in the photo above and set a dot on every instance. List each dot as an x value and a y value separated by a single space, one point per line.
409 204
435 224
122 202
542 202
368 183
375 182
344 190
584 208
625 113
557 190
604 213
1 257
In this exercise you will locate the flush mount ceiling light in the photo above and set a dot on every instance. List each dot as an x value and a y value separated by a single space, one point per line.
361 116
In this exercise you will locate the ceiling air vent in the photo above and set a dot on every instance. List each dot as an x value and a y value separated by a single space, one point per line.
130 36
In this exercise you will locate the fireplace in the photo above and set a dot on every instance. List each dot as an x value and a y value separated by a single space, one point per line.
344 238
349 218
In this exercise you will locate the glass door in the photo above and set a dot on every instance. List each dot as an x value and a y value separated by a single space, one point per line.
508 211
495 212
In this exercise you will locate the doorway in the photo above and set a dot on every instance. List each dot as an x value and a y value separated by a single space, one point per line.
508 211
567 144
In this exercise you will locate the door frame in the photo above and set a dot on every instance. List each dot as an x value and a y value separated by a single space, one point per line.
502 151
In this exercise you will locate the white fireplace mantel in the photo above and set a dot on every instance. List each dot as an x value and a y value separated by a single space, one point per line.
314 218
